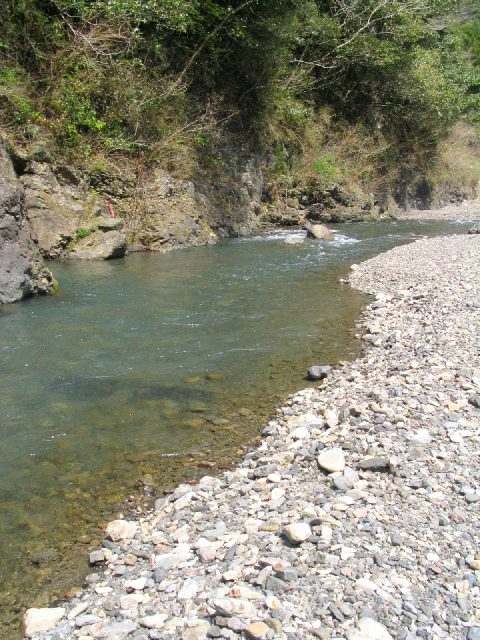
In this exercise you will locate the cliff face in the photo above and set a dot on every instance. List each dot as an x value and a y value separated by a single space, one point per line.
22 272
68 210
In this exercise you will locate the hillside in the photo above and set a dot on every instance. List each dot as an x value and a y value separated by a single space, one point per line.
198 120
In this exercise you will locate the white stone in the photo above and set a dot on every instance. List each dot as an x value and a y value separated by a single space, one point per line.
121 530
369 629
274 477
197 632
136 585
232 575
277 493
298 532
155 621
332 460
422 436
76 611
300 433
40 620
234 607
131 601
331 418
326 533
207 552
189 589
305 420
346 553
183 502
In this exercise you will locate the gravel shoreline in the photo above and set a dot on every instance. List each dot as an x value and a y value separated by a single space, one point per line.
467 211
358 515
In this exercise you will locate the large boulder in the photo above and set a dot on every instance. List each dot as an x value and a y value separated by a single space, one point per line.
22 272
318 232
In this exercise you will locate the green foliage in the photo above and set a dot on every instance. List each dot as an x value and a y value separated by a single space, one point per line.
153 76
325 168
82 232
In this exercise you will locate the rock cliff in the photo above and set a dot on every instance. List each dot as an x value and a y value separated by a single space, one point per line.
22 272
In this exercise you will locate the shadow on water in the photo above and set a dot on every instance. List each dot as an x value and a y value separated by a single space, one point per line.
150 371
80 389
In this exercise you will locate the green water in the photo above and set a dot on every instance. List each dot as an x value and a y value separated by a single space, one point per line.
152 370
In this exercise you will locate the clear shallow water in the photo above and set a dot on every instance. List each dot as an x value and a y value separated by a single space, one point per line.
151 370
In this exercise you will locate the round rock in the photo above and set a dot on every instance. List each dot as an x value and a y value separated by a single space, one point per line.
332 460
298 532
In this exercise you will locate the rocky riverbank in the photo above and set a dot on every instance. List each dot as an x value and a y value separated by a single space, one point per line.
357 517
467 211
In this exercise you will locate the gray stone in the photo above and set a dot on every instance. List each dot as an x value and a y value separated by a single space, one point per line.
375 463
475 401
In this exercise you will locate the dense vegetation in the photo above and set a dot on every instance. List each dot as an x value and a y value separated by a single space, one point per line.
158 78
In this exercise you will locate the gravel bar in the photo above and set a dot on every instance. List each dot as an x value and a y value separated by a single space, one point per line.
467 211
357 518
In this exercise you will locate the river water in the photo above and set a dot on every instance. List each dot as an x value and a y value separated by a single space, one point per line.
152 370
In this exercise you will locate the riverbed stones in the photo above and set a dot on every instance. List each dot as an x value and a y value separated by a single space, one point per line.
388 545
40 620
332 460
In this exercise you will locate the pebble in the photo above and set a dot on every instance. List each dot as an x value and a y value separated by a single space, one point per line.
332 460
298 532
257 631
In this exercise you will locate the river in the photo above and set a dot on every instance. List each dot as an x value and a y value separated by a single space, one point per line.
156 369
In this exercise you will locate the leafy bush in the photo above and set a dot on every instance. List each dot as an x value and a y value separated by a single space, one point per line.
160 78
